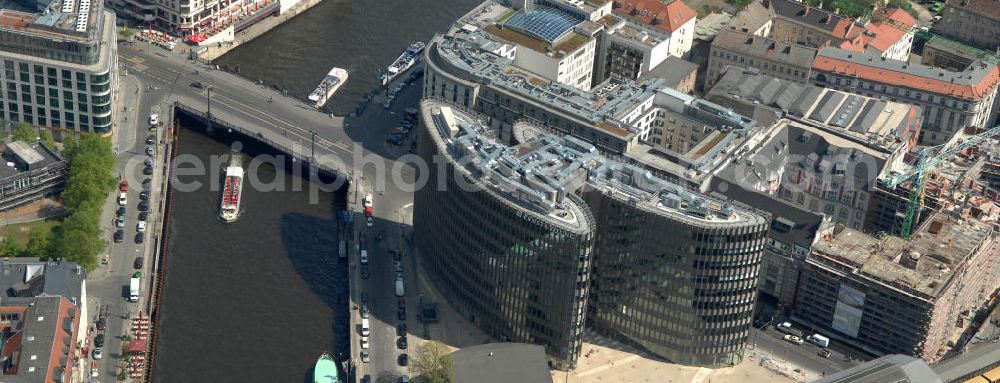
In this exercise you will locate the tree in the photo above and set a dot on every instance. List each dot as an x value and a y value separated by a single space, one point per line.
24 132
433 363
48 140
79 237
69 146
38 243
740 4
9 248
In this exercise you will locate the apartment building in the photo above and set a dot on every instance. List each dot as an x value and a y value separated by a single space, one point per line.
789 61
60 67
976 22
889 34
798 22
950 100
628 52
756 19
670 18
887 295
953 55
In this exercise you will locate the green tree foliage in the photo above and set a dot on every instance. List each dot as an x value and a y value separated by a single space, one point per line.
79 237
433 363
69 146
25 132
39 243
740 4
9 248
48 140
91 176
853 8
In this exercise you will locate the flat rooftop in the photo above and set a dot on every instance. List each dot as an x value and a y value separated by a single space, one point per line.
879 124
471 53
20 157
61 19
541 174
939 247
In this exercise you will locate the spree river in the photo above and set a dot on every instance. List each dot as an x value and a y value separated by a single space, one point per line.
257 300
358 35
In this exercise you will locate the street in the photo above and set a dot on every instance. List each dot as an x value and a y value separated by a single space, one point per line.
391 221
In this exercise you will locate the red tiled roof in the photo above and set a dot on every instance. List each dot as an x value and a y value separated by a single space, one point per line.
667 16
899 17
886 76
880 36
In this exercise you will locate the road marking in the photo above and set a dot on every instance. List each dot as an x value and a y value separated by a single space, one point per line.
298 132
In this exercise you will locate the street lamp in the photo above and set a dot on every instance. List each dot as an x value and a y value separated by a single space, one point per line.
208 91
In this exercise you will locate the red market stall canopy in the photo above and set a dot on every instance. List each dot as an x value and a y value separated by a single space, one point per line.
196 38
137 346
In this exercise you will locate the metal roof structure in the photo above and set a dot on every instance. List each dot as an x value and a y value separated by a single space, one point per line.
546 23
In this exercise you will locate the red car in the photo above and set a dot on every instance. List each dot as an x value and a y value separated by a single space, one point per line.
368 211
123 186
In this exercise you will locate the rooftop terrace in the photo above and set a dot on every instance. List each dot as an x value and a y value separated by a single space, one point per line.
62 19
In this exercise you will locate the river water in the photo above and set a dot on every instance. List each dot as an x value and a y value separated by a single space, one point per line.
358 35
254 301
259 300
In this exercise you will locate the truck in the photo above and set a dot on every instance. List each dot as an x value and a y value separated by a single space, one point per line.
819 340
365 329
399 288
133 288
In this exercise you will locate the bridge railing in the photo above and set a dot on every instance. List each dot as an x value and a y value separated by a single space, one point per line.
261 137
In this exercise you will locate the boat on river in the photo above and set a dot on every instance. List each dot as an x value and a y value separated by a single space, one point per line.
326 370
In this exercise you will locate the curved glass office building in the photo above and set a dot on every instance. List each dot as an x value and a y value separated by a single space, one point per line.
531 242
679 281
511 258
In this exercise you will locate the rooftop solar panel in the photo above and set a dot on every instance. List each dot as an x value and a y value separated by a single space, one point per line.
543 22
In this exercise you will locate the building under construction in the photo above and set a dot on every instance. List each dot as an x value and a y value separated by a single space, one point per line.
888 295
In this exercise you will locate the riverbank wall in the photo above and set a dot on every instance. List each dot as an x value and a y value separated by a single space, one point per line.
215 51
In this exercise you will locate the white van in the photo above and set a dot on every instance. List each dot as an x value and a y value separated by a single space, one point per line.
819 340
364 257
365 330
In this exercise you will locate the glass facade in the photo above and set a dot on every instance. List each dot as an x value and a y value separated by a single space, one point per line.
516 277
682 290
678 281
72 94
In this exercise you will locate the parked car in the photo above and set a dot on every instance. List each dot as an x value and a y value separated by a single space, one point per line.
364 357
123 186
144 195
137 264
793 339
364 310
140 226
366 379
370 222
148 170
401 343
198 85
824 353
151 139
154 119
120 222
403 360
99 341
119 236
148 161
143 215
150 150
143 205
101 324
122 199
98 353
404 379
140 238
120 212
364 272
401 314
364 342
401 329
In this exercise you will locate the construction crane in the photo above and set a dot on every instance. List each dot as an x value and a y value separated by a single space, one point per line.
924 163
